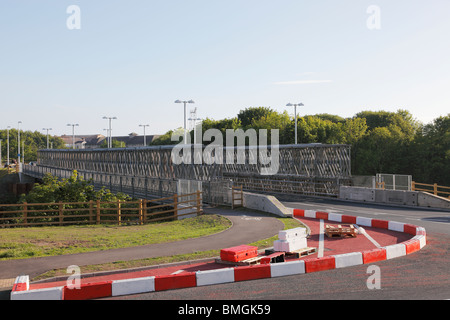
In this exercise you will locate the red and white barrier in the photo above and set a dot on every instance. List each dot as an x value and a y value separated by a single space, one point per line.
227 275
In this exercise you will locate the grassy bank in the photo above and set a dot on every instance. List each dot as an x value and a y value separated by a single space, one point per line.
21 243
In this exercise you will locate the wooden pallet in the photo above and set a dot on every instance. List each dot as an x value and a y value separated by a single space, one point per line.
340 231
297 253
247 262
302 252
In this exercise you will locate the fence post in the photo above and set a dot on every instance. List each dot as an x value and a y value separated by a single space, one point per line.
25 213
145 210
119 219
140 212
413 186
435 186
175 205
91 211
198 203
98 212
60 212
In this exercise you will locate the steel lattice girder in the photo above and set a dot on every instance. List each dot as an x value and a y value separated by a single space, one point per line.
310 160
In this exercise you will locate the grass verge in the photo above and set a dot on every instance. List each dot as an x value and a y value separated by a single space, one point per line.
289 223
19 243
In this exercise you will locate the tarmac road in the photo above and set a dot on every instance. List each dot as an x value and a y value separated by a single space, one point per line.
420 276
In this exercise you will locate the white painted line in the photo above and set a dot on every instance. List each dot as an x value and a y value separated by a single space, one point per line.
362 231
179 271
321 234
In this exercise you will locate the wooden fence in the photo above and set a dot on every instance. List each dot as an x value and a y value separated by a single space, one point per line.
100 212
431 188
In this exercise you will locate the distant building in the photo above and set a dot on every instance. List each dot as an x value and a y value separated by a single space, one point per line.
94 141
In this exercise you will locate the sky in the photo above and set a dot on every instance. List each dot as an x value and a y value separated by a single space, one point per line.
132 59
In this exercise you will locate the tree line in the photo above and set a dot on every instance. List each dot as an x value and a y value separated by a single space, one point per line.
381 141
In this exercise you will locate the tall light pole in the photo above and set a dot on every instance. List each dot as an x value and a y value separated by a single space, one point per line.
144 125
185 102
73 133
195 127
109 130
295 111
47 134
18 141
7 144
1 153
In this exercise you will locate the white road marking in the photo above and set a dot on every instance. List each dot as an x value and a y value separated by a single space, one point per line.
362 231
321 238
178 271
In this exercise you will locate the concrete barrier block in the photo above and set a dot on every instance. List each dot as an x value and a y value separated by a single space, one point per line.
133 286
292 233
422 240
209 277
287 268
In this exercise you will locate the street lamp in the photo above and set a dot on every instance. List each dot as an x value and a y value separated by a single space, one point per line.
109 130
47 134
18 141
295 108
195 127
7 144
184 102
73 133
144 125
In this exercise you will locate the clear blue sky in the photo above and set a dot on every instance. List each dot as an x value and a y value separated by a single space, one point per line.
133 59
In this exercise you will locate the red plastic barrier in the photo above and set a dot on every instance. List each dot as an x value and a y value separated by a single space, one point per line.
299 213
348 219
383 224
175 281
239 253
412 246
319 264
252 272
374 255
89 291
321 215
410 229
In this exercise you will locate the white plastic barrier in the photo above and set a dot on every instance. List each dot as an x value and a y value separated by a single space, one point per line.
348 259
395 250
133 286
287 268
41 294
208 277
363 221
396 226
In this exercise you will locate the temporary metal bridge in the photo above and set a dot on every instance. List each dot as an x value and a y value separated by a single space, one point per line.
311 169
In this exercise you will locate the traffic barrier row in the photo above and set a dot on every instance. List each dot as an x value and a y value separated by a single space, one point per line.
235 274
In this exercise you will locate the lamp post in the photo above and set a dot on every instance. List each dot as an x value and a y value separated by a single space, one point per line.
195 127
144 125
184 102
295 111
110 130
18 141
7 145
47 134
73 133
